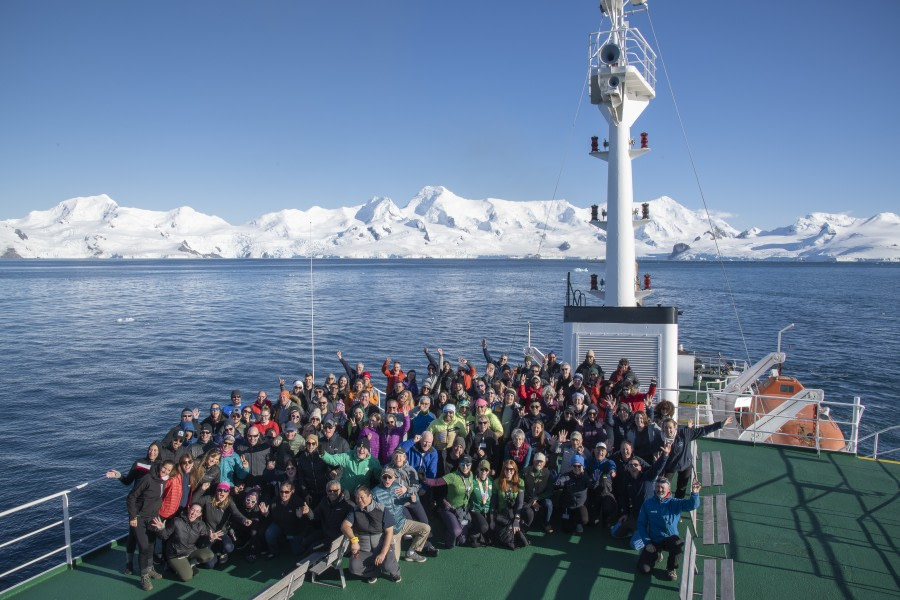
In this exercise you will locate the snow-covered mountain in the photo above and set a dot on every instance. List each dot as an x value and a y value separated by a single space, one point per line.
436 223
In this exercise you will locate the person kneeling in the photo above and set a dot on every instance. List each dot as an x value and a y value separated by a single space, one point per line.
182 534
657 527
370 529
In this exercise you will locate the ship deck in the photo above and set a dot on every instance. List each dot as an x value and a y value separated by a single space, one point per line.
802 526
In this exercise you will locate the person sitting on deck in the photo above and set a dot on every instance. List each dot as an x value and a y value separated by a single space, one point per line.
393 495
657 527
454 509
370 529
634 486
182 535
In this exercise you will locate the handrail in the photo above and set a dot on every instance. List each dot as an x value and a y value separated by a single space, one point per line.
877 435
814 398
70 544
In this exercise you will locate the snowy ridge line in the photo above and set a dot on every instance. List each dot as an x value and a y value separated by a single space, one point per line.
436 223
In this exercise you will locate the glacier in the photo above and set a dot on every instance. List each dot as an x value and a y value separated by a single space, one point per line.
436 223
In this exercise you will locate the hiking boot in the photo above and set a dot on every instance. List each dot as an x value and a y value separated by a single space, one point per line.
153 574
430 551
672 575
413 556
145 583
395 578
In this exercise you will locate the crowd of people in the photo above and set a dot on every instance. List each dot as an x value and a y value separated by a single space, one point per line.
490 457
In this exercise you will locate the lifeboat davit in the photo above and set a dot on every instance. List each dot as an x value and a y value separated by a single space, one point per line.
804 424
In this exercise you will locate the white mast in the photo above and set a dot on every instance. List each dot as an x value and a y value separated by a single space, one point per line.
622 85
623 77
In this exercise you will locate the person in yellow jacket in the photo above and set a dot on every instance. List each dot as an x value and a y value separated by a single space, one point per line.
481 409
447 427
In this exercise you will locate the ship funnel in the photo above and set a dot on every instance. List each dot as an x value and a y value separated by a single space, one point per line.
610 54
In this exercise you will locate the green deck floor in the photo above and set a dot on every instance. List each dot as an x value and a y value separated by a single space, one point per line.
802 526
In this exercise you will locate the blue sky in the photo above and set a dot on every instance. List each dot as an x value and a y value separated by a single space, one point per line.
241 108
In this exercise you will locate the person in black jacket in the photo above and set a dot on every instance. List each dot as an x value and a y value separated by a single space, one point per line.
219 510
139 470
250 537
637 484
284 521
575 485
182 533
144 502
680 459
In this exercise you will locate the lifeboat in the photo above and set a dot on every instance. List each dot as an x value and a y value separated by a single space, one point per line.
784 408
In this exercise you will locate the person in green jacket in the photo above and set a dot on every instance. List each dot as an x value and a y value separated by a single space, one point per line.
454 510
358 467
481 505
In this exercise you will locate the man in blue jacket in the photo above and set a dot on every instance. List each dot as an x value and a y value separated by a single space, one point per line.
657 527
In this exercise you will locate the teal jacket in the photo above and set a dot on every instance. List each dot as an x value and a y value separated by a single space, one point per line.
354 472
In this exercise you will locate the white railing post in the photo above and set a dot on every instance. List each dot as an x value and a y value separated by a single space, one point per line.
875 453
818 429
854 426
67 529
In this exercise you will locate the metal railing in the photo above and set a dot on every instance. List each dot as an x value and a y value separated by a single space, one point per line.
636 51
715 405
73 548
877 435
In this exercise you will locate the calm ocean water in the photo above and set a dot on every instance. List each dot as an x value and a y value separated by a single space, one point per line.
100 356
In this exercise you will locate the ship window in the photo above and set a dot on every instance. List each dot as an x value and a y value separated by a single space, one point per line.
787 389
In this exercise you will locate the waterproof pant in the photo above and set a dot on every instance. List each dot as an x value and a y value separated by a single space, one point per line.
274 535
481 525
456 532
684 479
529 513
182 567
146 540
574 516
363 564
419 531
416 512
673 545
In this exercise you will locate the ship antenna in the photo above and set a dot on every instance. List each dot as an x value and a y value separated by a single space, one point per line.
690 152
312 305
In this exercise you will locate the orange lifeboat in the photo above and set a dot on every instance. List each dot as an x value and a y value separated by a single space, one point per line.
799 430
